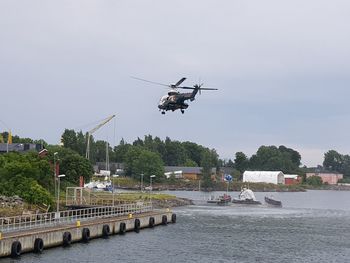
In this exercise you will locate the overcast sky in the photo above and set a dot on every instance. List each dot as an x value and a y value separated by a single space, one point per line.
281 67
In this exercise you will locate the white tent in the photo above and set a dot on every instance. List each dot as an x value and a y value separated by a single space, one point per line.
272 177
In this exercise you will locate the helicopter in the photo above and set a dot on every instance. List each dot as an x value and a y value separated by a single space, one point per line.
175 100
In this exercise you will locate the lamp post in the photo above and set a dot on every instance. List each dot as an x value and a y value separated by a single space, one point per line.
116 175
55 171
58 192
141 186
150 189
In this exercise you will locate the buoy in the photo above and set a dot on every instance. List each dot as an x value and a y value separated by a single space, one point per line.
86 234
105 231
38 245
137 225
122 228
151 222
173 218
16 249
164 220
67 239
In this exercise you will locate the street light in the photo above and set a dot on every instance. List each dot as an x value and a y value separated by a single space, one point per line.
58 192
115 175
55 171
150 188
141 182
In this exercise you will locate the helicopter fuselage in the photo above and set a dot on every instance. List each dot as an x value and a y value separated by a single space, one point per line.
176 100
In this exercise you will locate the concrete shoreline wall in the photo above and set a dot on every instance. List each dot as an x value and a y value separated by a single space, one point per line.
53 236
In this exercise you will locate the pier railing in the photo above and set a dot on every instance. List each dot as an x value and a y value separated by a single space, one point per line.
18 223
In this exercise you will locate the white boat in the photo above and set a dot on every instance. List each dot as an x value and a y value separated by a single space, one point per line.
246 196
99 186
105 185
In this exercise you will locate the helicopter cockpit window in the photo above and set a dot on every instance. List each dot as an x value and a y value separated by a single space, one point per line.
163 99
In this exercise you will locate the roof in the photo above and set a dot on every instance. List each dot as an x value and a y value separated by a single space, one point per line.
274 177
19 147
262 173
291 176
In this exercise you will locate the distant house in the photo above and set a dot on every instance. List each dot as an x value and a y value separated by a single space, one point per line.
20 147
190 173
327 178
290 179
272 177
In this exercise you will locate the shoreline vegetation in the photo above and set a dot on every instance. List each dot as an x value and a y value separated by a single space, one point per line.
182 185
13 206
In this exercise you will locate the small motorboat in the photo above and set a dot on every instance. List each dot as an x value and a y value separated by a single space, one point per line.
271 201
246 197
222 200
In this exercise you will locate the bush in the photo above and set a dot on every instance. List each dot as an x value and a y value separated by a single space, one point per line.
30 191
314 180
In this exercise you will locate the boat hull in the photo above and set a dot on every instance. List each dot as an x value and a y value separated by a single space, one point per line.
246 202
273 202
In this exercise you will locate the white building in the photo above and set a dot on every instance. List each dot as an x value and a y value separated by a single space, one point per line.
271 177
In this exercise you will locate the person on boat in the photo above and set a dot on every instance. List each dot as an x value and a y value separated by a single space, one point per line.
247 194
241 194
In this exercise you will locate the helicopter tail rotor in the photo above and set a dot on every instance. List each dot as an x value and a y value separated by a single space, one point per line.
197 87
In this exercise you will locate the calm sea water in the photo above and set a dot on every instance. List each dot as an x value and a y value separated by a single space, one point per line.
313 226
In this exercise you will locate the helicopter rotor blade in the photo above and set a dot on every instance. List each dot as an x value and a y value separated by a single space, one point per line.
197 87
208 89
153 82
179 82
185 88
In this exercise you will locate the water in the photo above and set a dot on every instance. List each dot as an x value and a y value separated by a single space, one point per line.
312 226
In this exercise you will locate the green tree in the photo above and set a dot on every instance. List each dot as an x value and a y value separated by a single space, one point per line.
333 161
71 164
26 175
190 163
120 151
206 170
275 159
241 162
140 161
175 153
69 139
193 151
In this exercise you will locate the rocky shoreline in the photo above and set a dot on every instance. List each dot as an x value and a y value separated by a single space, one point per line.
10 201
254 186
175 202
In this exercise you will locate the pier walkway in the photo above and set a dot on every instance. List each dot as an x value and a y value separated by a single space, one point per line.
35 233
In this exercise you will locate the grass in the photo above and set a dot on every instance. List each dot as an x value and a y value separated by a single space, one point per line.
134 196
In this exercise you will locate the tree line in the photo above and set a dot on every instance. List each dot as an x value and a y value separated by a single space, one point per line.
268 158
144 156
31 176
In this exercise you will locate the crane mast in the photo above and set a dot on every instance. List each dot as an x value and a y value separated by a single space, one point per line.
92 131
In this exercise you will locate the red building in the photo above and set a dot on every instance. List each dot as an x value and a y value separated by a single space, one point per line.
327 178
290 179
